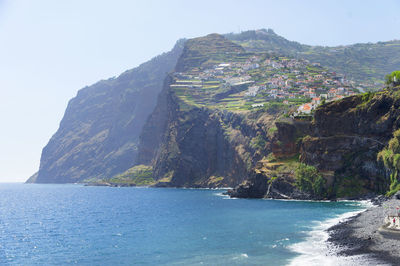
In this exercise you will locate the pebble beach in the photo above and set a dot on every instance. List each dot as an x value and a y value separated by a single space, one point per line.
365 234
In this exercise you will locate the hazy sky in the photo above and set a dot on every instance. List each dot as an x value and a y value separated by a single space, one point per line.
49 49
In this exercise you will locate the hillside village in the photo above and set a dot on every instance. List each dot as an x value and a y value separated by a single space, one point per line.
252 81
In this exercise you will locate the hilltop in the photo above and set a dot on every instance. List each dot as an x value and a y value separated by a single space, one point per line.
205 50
362 62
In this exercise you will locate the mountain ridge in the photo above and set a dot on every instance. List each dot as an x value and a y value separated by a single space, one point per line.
358 61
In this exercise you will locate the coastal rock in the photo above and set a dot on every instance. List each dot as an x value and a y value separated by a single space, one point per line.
397 195
263 185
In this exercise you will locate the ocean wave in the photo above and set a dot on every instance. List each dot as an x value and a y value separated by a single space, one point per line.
224 196
316 250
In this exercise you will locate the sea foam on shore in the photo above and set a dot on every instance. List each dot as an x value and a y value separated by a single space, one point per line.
316 250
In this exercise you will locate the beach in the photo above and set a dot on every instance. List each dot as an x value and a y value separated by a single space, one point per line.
360 235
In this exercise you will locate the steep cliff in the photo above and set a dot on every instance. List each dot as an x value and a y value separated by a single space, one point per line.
342 142
99 133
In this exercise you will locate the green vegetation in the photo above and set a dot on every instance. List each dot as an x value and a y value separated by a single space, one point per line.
270 157
309 180
272 130
285 165
274 107
139 175
258 142
366 97
215 180
393 78
390 157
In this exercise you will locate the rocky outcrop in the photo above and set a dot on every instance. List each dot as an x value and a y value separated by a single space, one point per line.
99 133
287 140
259 187
264 184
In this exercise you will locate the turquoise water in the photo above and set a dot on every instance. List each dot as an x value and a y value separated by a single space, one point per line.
67 224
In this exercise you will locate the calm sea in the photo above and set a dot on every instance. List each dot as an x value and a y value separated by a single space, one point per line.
74 224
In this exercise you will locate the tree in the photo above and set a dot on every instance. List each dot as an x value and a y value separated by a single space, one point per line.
393 78
309 180
390 157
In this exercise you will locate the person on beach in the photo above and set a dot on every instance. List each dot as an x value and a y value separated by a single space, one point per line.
394 222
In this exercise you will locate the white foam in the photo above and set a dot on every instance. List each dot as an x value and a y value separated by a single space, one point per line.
316 250
224 196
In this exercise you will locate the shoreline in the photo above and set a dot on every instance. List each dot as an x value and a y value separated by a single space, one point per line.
317 250
359 235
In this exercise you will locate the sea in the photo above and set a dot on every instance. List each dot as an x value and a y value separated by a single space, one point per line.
87 225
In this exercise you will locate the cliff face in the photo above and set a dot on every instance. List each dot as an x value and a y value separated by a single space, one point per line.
346 137
99 133
204 148
342 143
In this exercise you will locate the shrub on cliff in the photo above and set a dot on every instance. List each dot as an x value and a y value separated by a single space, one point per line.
393 78
390 157
140 175
309 180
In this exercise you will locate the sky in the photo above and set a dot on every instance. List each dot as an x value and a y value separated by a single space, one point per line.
51 49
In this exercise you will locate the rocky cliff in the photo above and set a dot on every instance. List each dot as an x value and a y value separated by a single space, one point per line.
342 142
99 133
